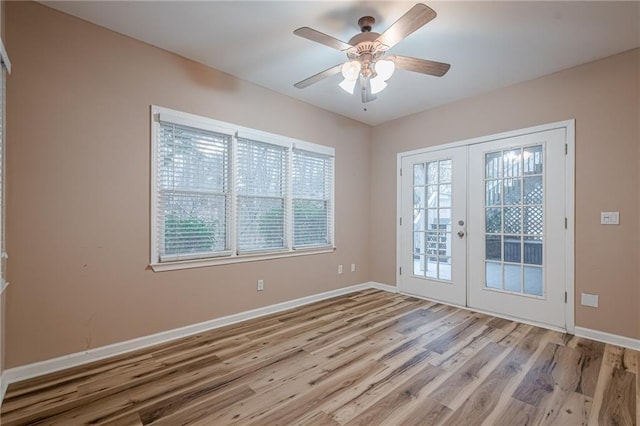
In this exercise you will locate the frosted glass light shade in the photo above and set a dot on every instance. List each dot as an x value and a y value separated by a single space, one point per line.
348 85
377 85
351 70
385 69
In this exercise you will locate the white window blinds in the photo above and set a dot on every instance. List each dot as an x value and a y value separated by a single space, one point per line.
261 191
224 192
312 187
193 182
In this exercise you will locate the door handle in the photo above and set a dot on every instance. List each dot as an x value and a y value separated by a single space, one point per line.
461 234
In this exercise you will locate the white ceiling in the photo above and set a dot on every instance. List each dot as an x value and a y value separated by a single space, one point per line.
488 44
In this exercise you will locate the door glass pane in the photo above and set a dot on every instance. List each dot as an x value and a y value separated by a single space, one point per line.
494 275
432 219
418 219
493 220
444 245
493 247
513 277
533 190
512 248
445 195
418 243
432 192
418 174
445 171
514 206
432 172
512 162
419 266
512 191
493 165
533 280
418 197
432 268
432 196
493 192
533 220
533 250
444 272
533 160
445 220
432 245
512 219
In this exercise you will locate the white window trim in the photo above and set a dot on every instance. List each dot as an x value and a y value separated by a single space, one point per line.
168 115
4 57
5 64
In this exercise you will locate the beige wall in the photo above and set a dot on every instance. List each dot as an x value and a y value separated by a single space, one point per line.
78 195
78 176
604 99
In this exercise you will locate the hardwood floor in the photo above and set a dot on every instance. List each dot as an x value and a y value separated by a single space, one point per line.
369 358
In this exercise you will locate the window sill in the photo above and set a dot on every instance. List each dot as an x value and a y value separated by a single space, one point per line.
201 263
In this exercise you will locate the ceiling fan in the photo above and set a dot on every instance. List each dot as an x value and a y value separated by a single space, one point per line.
368 64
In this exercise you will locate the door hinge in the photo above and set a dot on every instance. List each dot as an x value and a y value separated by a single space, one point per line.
566 221
401 270
400 221
565 297
400 171
566 148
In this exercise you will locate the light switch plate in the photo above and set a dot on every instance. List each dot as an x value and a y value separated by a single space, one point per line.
609 218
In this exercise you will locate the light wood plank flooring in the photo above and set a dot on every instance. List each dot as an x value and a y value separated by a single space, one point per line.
369 358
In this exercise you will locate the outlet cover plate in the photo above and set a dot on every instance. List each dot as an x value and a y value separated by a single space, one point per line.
589 300
610 218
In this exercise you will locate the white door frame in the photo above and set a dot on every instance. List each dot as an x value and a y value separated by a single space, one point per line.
569 202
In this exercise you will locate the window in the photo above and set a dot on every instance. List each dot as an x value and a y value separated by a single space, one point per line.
193 196
261 196
312 186
223 193
5 67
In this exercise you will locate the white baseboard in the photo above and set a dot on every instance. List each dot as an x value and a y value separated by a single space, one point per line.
383 287
612 339
28 371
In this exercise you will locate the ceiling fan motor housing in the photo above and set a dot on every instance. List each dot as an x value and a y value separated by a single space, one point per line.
365 23
365 43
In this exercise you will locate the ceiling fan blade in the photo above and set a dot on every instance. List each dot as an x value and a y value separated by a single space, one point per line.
423 66
322 38
365 90
415 18
317 77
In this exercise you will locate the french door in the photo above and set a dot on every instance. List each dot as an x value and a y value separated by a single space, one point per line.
433 229
484 226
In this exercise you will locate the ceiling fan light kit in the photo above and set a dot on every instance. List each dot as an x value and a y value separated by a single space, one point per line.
368 62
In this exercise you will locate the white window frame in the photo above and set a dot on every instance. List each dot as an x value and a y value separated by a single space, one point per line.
5 65
159 114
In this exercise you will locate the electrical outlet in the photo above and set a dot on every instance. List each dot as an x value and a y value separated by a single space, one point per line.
339 269
353 267
610 218
260 285
589 300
